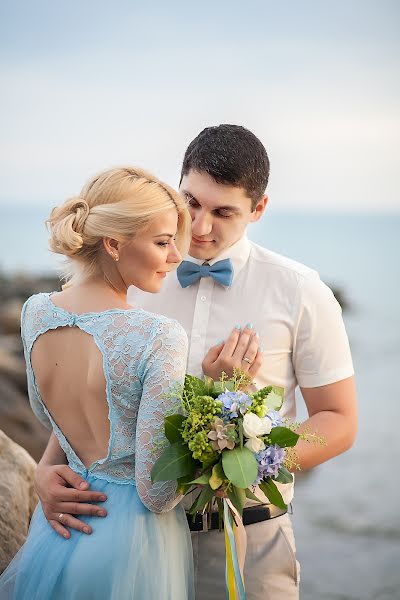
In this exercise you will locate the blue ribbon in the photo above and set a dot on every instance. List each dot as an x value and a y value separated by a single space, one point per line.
228 520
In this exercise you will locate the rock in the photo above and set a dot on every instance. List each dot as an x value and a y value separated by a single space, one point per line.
13 368
341 297
10 316
18 421
17 497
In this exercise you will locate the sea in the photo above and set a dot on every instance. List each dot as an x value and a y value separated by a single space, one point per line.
346 513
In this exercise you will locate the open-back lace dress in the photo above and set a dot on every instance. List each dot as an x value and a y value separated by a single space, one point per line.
142 549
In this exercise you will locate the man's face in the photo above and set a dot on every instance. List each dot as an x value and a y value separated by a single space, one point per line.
220 214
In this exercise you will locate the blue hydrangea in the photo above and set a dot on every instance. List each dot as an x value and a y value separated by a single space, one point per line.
275 417
269 461
234 403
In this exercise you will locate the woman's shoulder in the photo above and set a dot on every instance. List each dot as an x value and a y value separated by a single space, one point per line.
159 324
33 304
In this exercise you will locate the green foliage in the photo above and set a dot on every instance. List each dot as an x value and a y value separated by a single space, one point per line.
217 476
237 496
176 461
268 398
203 479
258 405
220 387
184 483
173 425
240 466
196 426
283 437
202 499
273 494
284 476
194 386
274 399
251 496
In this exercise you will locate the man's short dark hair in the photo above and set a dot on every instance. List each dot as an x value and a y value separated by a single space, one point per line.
231 155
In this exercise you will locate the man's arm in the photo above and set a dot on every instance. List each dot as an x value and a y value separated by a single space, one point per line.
332 413
64 492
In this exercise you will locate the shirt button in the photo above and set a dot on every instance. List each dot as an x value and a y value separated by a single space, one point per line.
203 298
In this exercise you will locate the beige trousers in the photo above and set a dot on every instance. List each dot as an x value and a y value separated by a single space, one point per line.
271 570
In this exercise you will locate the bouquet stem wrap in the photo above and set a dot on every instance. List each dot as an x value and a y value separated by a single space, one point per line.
235 548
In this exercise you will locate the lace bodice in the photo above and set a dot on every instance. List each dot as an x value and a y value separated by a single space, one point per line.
144 357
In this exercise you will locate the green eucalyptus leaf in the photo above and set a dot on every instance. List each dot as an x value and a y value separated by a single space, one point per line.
273 494
283 437
202 480
240 466
238 498
176 461
251 496
219 387
274 400
184 484
205 496
173 426
284 476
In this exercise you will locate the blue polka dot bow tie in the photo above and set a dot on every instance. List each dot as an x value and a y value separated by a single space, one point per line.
189 272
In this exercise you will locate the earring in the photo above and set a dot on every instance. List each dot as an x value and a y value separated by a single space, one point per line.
115 256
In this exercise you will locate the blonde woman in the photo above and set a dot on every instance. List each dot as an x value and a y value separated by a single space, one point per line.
98 372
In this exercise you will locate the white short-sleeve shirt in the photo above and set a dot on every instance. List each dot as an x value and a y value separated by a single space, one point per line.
297 317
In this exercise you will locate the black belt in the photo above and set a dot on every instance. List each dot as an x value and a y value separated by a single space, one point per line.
253 514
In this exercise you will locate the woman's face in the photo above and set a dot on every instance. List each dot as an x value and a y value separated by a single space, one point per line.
145 261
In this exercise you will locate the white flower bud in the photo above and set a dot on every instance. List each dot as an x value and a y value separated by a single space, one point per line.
255 444
254 426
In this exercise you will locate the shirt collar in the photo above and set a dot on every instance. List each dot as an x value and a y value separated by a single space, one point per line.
238 253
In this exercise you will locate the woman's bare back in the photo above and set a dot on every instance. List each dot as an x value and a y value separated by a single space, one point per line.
69 373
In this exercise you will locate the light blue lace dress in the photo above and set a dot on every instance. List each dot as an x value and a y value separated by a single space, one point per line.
142 549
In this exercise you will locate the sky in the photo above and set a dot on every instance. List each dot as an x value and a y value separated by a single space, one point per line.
90 84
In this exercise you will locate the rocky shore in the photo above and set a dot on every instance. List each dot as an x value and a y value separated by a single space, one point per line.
16 418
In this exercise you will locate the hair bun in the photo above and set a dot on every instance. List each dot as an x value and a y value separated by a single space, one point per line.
80 207
66 223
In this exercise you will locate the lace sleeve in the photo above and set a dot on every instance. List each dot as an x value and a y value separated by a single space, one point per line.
163 368
27 336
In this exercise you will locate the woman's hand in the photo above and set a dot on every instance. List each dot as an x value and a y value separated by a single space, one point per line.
240 351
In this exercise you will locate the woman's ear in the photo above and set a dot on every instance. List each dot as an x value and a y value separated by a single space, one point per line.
112 247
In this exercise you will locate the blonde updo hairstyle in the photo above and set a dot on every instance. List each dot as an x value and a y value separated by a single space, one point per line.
115 204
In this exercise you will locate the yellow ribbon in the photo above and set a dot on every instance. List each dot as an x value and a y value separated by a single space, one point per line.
235 548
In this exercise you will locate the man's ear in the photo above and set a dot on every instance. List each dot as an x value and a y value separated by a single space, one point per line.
259 209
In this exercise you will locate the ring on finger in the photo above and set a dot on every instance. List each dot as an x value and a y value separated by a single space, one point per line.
60 517
245 359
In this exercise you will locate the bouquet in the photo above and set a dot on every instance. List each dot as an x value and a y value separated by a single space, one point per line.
227 442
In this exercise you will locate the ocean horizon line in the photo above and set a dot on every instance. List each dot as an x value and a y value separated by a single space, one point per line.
285 212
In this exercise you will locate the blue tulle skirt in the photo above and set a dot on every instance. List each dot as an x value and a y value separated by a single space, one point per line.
132 554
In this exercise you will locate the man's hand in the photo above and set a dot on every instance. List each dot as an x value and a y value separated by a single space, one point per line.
63 494
240 351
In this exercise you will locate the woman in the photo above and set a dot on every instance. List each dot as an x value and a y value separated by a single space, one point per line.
98 376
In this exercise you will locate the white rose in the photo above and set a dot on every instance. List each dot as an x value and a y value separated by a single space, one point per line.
255 444
254 426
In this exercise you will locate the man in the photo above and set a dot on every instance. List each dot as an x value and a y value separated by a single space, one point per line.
302 337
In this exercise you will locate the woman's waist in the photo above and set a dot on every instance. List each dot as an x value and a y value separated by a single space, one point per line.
110 472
